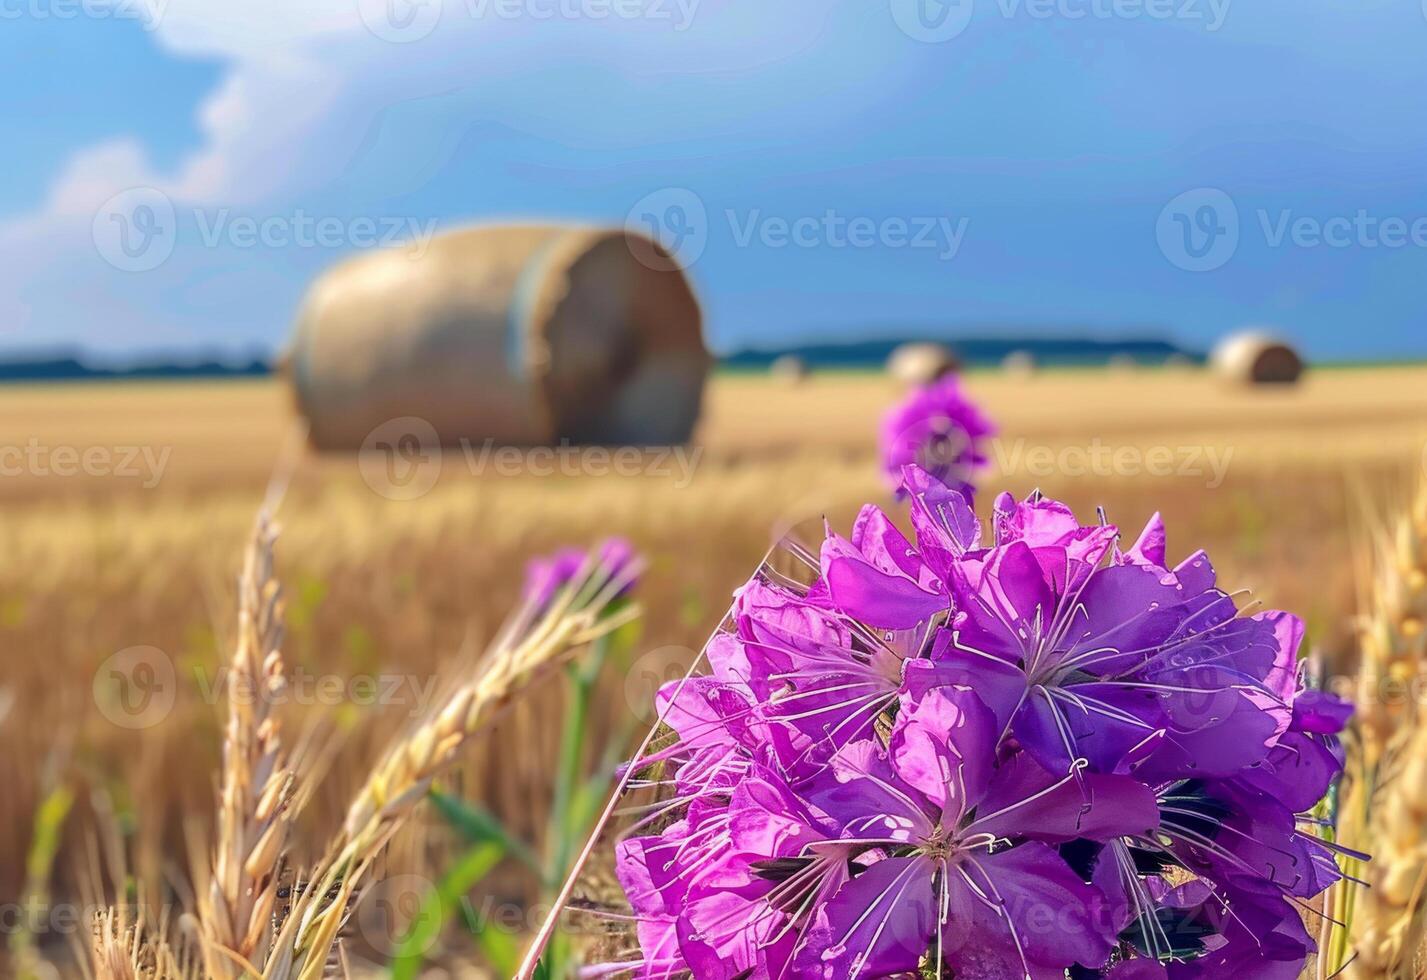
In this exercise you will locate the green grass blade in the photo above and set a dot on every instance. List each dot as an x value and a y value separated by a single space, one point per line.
440 906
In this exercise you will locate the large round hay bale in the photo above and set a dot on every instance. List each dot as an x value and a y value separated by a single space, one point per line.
1257 357
523 335
919 364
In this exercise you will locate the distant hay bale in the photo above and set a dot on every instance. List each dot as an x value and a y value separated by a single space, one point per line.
789 368
523 335
919 364
1123 363
1019 363
1255 357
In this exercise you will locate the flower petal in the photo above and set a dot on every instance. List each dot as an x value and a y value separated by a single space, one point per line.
1000 685
1026 800
942 516
1320 713
878 924
1149 548
1043 913
944 744
881 586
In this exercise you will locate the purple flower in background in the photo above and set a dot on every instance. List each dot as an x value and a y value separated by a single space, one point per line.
548 574
939 429
615 558
1034 754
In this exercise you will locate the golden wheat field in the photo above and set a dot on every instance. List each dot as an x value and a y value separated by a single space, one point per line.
125 508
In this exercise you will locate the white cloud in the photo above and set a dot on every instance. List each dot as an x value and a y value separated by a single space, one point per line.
499 109
254 128
312 99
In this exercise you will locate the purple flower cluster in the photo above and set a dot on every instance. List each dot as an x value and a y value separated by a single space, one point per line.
614 560
1039 755
938 429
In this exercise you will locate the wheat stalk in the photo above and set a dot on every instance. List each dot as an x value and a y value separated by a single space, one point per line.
1385 793
235 910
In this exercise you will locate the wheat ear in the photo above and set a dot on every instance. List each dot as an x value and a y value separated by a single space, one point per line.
1385 797
236 909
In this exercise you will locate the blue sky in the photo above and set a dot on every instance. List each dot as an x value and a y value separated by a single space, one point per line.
848 168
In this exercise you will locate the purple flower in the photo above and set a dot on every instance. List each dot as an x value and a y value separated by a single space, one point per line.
1037 754
615 558
879 578
1245 854
939 429
548 574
